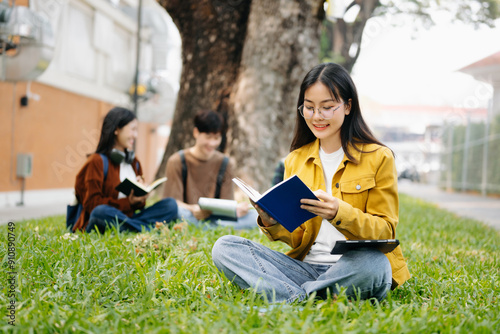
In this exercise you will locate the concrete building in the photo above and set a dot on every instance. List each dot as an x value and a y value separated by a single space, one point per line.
488 70
63 65
414 133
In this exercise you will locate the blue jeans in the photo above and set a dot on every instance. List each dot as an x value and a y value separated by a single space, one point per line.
364 273
248 221
104 216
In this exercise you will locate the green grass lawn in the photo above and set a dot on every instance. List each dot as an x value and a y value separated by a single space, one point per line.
165 282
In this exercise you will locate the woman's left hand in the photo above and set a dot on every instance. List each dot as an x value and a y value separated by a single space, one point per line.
137 200
267 220
326 207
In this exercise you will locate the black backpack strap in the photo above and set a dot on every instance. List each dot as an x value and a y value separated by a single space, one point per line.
184 174
105 165
220 176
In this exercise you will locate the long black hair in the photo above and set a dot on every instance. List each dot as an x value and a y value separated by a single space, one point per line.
354 130
116 118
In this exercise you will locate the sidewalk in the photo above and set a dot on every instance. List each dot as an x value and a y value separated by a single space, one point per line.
37 204
485 209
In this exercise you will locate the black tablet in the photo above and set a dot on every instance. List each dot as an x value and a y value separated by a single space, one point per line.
384 245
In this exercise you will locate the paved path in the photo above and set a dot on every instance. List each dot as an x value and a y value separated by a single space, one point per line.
19 213
37 204
485 209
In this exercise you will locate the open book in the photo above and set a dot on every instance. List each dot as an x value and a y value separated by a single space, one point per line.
221 208
139 189
384 245
282 201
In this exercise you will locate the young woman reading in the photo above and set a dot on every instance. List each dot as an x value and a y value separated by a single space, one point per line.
354 176
103 205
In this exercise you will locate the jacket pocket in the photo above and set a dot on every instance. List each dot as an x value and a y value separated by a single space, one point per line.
355 192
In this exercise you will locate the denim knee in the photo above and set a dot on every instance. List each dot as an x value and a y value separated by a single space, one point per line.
169 204
97 218
220 248
375 276
99 211
377 266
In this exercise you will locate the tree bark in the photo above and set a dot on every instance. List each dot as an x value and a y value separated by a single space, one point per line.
281 45
260 55
212 33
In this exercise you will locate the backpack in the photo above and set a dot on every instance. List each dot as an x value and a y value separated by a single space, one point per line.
74 211
220 175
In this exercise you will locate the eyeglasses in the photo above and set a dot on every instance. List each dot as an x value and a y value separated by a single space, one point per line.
324 112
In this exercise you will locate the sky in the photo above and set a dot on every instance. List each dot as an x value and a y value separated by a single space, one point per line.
398 65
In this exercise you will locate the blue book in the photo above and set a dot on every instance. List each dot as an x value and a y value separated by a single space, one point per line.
282 201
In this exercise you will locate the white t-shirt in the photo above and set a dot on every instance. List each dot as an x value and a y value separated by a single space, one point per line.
126 170
328 234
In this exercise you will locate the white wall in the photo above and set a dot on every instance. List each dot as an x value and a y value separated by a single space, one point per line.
96 44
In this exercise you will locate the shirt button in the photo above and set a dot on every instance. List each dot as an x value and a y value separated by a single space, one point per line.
337 185
338 223
358 187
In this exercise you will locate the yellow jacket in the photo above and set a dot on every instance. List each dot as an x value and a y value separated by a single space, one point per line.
368 201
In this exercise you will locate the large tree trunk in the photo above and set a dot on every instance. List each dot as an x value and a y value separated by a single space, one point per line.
281 45
212 33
